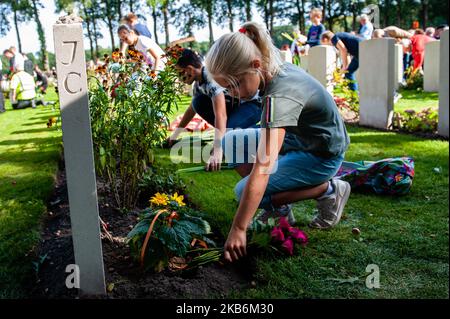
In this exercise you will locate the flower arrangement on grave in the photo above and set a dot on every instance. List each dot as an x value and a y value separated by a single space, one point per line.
275 235
349 99
129 105
167 231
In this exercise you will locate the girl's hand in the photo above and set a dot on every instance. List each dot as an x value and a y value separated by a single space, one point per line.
215 161
236 245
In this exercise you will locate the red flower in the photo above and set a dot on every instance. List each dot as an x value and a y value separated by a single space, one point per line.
299 235
284 224
277 234
288 246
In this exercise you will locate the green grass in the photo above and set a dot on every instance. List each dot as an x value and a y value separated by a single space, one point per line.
407 237
417 101
29 154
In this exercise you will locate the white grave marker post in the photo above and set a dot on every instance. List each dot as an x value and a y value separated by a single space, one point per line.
443 88
78 154
398 76
304 62
431 67
377 68
322 63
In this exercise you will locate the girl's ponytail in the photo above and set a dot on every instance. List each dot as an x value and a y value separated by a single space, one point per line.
234 53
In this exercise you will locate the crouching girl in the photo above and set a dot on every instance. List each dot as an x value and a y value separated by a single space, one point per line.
300 145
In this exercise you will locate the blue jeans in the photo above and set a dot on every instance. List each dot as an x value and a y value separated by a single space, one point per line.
350 75
239 115
294 168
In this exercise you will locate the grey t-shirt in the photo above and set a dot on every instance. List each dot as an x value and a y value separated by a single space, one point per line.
297 102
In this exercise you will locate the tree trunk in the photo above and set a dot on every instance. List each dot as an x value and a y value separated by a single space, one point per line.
325 14
40 30
155 24
386 13
209 9
354 15
94 26
119 10
248 10
230 15
300 5
424 13
109 23
111 33
16 25
266 14
130 4
165 11
87 20
272 16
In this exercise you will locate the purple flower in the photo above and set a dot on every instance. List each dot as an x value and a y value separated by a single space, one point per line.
277 234
299 235
288 246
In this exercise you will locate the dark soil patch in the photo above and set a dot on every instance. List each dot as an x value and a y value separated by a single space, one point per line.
122 273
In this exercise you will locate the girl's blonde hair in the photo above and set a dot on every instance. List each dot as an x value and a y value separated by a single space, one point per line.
232 55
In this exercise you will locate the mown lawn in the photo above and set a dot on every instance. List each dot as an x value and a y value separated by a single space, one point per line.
29 154
407 237
417 101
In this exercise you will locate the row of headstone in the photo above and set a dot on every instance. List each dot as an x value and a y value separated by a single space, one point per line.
443 85
431 66
379 76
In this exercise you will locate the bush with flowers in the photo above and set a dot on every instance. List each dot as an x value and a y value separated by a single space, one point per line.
167 230
410 121
129 105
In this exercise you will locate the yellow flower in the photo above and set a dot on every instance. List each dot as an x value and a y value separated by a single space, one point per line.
178 199
159 199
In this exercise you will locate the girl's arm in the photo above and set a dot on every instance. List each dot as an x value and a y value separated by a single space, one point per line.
156 57
187 117
220 113
268 149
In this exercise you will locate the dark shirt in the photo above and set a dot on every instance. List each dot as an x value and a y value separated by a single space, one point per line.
314 34
350 41
142 29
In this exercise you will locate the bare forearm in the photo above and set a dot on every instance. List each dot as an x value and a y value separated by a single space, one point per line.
251 198
187 117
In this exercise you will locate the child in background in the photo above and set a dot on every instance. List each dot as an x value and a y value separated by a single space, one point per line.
348 46
301 143
317 29
153 54
211 103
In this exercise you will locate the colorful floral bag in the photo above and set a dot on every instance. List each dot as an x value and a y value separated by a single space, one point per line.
392 176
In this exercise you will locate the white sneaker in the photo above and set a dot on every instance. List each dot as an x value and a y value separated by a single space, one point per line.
330 207
282 211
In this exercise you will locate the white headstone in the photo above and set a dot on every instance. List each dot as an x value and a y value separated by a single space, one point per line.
431 67
286 56
377 68
398 76
322 64
304 62
443 88
78 154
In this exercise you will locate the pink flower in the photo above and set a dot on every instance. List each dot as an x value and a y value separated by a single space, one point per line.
284 224
277 234
288 246
299 235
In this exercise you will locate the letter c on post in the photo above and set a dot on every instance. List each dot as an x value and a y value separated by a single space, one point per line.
71 81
